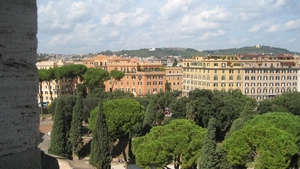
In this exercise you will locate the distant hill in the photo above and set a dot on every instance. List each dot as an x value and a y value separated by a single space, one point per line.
185 52
157 52
189 52
250 49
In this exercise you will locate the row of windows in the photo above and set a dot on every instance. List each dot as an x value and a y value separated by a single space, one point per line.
271 84
271 91
140 90
139 83
271 78
271 71
173 78
176 72
141 77
239 71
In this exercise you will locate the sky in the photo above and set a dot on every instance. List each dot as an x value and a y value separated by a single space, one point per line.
88 26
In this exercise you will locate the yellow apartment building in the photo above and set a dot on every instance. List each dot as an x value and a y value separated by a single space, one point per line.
258 76
53 85
174 77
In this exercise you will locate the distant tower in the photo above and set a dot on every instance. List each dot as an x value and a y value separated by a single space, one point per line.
170 42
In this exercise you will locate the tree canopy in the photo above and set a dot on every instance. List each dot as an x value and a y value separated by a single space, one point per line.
94 77
267 141
181 140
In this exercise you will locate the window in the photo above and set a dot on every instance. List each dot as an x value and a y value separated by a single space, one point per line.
215 77
230 71
282 77
216 71
265 84
160 82
238 84
148 83
252 84
133 83
149 77
246 84
259 71
258 84
215 84
258 77
238 78
265 77
230 77
282 84
271 77
140 83
230 84
246 71
271 71
277 78
246 77
271 91
132 77
223 84
265 71
215 64
252 90
246 90
294 77
252 77
223 77
223 64
276 84
258 90
289 78
252 71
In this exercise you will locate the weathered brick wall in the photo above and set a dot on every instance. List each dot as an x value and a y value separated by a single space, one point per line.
19 117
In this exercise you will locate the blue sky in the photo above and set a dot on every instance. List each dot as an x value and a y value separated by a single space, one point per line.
87 26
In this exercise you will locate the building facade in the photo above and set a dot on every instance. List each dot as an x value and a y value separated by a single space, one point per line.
258 76
141 77
57 88
174 77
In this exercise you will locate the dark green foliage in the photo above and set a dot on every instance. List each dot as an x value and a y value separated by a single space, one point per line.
101 143
209 158
180 140
150 116
178 107
266 141
69 102
247 114
222 158
116 76
95 77
287 102
58 140
174 63
168 86
224 106
76 126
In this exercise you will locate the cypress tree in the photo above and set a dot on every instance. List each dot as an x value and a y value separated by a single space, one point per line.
150 116
76 126
209 157
58 139
101 144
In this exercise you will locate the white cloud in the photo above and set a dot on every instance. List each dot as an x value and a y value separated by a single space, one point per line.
212 34
84 26
293 24
273 28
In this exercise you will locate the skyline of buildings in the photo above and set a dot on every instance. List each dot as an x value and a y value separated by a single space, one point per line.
257 75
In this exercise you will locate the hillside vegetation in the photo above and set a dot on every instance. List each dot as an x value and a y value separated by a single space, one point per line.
189 52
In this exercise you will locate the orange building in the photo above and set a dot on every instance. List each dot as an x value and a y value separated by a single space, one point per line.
141 77
174 77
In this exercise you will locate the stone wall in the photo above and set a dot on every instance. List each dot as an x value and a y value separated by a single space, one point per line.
19 117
